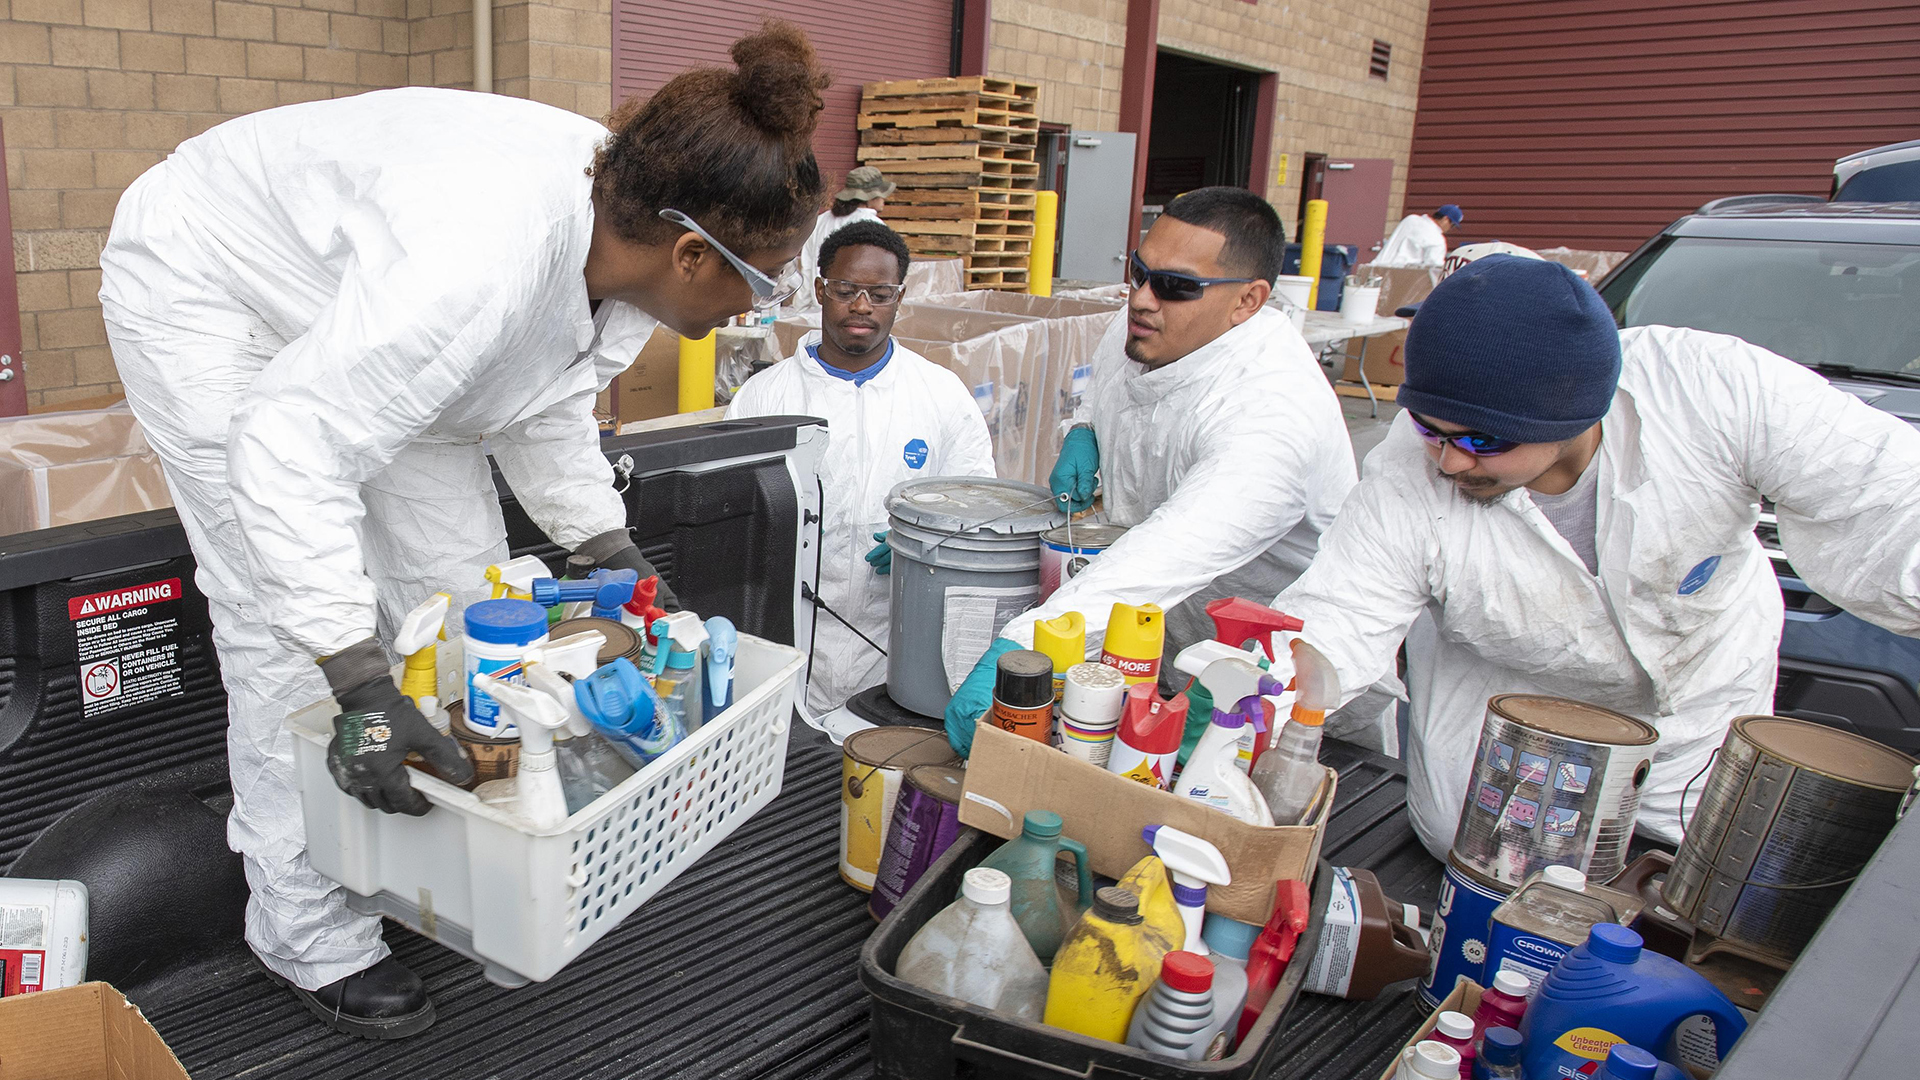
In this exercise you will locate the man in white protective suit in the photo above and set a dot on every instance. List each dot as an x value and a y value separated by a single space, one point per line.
1572 507
320 311
1210 432
892 415
1420 239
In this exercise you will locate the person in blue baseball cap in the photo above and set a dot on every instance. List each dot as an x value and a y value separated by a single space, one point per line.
1420 239
1566 508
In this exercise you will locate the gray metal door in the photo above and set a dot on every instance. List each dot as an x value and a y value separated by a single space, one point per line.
1096 206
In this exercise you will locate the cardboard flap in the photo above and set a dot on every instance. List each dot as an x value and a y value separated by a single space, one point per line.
1009 775
85 1032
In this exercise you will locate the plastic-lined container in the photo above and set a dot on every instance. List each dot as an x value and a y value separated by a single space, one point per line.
522 901
917 1035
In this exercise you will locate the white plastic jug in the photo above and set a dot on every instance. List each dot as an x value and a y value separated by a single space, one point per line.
43 935
974 951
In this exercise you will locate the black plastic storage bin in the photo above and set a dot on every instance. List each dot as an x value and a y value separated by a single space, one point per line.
920 1035
1336 262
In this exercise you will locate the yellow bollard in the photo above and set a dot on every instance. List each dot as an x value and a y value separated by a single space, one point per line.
1313 240
1046 215
696 373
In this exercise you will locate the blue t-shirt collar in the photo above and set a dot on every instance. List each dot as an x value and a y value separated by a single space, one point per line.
857 378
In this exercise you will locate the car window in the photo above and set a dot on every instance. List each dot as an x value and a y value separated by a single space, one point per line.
1852 304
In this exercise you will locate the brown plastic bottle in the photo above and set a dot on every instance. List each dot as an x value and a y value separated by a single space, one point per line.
1365 942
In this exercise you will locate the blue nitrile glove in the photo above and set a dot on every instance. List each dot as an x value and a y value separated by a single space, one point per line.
881 557
1076 476
975 696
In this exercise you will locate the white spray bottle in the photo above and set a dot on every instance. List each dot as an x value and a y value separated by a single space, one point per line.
1213 776
513 579
589 766
419 642
1195 864
535 791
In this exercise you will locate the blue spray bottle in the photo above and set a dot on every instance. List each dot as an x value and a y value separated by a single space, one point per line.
723 641
676 667
606 590
623 708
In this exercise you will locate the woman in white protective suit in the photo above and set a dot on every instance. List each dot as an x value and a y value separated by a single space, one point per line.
319 312
1567 508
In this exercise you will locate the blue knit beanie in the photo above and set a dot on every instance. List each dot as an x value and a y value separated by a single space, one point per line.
1516 348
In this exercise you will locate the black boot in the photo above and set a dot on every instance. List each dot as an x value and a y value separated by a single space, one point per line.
386 1001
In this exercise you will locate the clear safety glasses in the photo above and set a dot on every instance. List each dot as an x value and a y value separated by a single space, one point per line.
844 292
1475 443
768 292
1171 284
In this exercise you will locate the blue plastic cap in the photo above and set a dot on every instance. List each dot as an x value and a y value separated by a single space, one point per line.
615 697
1625 1062
1611 941
1500 1046
1230 937
506 622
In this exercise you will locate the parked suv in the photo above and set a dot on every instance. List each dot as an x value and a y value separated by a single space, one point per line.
1836 287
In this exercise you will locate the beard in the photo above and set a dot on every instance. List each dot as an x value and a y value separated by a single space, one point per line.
1483 494
1132 349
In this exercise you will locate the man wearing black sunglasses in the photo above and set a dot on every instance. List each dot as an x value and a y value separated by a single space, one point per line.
1568 509
892 415
1209 431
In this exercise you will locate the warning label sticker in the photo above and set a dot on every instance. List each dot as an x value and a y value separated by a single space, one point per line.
129 645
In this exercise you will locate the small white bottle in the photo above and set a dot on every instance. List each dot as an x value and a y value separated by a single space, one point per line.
974 951
1429 1060
1176 1016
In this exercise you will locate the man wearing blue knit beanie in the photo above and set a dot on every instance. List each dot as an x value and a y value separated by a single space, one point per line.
1567 509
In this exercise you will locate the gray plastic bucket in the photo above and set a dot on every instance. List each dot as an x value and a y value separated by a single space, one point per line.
966 558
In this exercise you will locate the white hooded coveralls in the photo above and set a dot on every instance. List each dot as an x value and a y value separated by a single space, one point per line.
913 419
318 313
1225 465
1416 241
1681 625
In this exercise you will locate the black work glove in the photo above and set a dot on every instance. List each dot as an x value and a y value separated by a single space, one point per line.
375 730
615 550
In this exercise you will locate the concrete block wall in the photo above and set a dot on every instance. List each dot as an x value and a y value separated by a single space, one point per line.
94 92
1072 48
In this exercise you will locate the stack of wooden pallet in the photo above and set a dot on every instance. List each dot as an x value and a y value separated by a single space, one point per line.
962 152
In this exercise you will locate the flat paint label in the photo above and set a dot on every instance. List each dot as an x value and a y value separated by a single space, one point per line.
1588 1042
128 642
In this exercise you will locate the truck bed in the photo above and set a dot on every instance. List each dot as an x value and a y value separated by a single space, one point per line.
744 967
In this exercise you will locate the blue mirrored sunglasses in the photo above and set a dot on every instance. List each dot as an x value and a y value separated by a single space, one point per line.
1467 442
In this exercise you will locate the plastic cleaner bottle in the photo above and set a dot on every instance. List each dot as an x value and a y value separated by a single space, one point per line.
1610 990
974 951
1213 777
723 642
1107 963
1456 1030
589 765
1504 1004
625 710
1028 860
1626 1062
1194 864
1290 775
1429 1060
604 592
1228 942
513 579
676 667
1499 1056
534 791
1176 1019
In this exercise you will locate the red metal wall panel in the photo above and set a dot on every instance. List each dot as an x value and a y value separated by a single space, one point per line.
1594 123
653 40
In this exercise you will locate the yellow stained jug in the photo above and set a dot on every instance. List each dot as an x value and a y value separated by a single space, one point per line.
1106 965
1064 641
1136 636
1148 880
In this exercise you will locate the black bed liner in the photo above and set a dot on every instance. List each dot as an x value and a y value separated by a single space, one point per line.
744 967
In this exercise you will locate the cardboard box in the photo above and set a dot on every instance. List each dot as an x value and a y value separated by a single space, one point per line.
1387 353
67 467
1010 774
1465 998
651 387
85 1032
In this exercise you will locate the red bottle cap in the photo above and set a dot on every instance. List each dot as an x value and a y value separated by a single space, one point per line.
1150 724
1187 972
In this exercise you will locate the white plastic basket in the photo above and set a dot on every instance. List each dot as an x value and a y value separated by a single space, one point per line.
524 902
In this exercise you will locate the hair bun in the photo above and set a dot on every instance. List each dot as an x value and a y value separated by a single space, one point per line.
780 80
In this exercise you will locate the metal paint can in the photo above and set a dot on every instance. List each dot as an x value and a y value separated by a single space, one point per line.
493 758
1555 782
622 640
1789 815
1066 550
926 822
1462 921
873 763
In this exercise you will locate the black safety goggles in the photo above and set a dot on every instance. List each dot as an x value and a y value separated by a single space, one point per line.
1171 284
